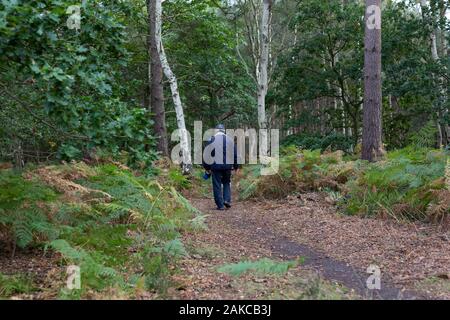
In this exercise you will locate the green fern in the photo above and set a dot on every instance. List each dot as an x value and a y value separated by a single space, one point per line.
141 214
68 252
15 284
183 202
263 266
175 248
90 268
426 136
28 225
22 233
22 205
198 223
115 211
199 220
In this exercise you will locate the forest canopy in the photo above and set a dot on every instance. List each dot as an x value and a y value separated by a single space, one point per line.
342 105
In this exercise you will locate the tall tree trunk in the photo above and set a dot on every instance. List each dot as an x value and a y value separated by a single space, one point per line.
444 5
184 140
429 17
372 147
263 62
156 84
428 14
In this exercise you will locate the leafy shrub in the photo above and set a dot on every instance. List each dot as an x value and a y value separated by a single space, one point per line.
71 82
117 131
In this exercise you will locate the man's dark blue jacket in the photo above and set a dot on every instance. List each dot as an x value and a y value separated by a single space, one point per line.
227 144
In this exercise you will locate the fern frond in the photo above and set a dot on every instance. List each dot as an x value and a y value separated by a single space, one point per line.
107 272
184 202
68 252
175 248
23 233
263 266
426 136
199 222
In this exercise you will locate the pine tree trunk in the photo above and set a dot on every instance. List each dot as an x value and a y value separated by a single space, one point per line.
443 4
372 147
184 140
156 84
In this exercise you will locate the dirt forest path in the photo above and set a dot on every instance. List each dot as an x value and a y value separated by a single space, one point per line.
337 251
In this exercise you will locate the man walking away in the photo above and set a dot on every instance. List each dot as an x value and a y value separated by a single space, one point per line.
220 159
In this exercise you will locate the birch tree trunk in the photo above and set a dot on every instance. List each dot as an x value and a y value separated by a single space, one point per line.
372 147
435 55
184 140
433 39
262 77
155 79
257 19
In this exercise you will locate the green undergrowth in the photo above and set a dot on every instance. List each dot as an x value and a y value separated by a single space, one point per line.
122 230
15 284
170 175
261 267
411 183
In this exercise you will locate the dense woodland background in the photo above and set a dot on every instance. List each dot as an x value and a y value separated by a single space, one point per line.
87 114
66 93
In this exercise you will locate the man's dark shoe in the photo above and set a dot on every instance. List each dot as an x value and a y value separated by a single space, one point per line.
228 205
221 209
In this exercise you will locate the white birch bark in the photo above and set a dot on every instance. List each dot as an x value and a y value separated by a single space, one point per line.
434 49
263 62
435 56
257 19
184 140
